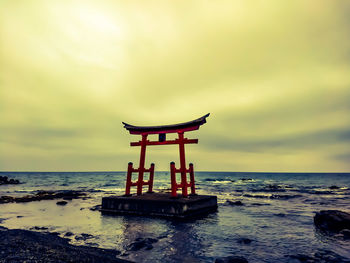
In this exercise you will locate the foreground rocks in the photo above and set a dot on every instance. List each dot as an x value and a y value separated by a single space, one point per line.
5 180
43 195
321 256
231 259
332 221
27 246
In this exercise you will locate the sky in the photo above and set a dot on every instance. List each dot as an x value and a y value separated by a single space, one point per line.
274 76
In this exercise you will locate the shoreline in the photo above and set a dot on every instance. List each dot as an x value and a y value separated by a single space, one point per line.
17 245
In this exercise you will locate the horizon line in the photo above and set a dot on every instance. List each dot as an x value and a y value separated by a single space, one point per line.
22 171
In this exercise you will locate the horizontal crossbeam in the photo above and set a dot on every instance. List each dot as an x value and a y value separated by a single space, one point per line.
176 141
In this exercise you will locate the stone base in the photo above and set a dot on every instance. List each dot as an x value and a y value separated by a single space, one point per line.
160 205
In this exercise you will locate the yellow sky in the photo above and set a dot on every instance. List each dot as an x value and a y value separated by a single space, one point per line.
275 76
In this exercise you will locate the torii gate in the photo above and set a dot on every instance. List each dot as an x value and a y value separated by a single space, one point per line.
144 131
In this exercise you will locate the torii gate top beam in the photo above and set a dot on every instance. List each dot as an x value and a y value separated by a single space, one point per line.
180 127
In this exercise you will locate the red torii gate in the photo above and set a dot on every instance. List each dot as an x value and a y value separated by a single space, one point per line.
144 131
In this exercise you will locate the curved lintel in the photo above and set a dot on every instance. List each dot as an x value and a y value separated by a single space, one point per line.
180 127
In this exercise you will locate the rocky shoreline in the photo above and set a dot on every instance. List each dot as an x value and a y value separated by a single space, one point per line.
43 195
33 247
6 180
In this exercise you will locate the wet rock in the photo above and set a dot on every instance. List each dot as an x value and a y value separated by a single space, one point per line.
83 237
96 208
68 234
334 187
244 240
345 233
280 215
332 221
246 179
234 203
61 203
6 180
231 259
27 246
38 228
321 256
54 233
141 243
42 195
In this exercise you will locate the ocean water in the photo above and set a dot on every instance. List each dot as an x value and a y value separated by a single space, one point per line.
277 215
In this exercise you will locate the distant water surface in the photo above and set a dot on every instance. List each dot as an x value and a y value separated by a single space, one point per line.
277 215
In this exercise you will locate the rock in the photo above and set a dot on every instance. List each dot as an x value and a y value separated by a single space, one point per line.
332 221
38 228
231 259
234 203
27 246
96 208
321 256
83 237
141 243
244 241
42 195
333 187
5 180
61 203
68 234
345 233
246 179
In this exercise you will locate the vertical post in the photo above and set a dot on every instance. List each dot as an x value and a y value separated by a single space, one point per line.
150 181
193 188
128 179
173 179
183 164
142 164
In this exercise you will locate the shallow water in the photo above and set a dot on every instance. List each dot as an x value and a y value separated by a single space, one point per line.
277 215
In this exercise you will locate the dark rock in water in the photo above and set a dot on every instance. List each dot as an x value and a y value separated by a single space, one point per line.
61 203
96 208
345 233
54 233
234 203
333 187
231 259
42 195
5 180
246 179
302 258
68 234
27 246
321 256
38 228
83 237
141 243
332 220
280 215
244 241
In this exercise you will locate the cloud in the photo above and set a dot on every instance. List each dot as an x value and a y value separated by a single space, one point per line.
276 81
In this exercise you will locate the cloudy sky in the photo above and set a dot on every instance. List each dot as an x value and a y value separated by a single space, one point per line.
275 76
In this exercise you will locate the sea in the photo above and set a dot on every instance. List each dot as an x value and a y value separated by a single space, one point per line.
274 224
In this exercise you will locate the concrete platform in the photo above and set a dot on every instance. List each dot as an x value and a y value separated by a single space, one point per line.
160 205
